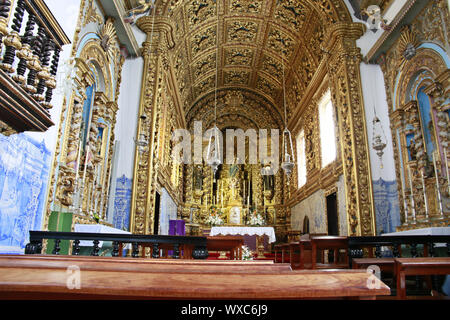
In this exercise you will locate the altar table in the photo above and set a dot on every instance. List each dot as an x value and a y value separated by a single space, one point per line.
259 231
96 228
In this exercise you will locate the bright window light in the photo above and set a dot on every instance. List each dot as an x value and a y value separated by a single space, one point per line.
301 159
327 130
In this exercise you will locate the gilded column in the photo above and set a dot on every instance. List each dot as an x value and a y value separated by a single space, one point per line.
398 125
345 82
67 170
417 166
144 176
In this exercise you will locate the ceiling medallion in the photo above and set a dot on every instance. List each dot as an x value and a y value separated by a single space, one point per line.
234 99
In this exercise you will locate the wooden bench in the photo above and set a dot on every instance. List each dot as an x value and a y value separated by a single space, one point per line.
232 244
282 248
333 244
385 264
47 277
418 266
301 254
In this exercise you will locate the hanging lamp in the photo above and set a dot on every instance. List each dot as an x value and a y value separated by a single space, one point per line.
288 155
214 160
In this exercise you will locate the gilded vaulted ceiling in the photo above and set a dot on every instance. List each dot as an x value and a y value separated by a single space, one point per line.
249 44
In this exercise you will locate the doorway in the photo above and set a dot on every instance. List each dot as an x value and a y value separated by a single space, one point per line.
157 213
332 215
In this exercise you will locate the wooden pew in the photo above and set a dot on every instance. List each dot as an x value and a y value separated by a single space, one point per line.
47 277
232 244
333 243
385 264
418 266
301 254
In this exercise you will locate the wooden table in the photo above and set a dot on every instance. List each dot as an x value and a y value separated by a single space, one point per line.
418 266
232 244
47 277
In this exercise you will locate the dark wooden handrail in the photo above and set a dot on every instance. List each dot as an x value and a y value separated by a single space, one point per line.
356 244
199 244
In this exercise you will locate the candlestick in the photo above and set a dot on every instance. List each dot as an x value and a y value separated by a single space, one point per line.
441 211
412 196
424 194
85 169
78 164
405 205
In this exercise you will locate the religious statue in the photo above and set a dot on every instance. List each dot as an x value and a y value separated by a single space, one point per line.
235 215
234 168
268 177
198 178
144 7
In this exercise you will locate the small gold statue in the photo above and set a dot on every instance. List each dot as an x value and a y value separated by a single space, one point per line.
144 7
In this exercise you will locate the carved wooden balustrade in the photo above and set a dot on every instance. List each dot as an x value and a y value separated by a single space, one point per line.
28 65
186 247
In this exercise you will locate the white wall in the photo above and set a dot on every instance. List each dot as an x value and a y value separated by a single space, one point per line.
66 13
315 208
127 116
375 97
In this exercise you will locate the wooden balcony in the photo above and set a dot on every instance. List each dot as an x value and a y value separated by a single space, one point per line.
28 65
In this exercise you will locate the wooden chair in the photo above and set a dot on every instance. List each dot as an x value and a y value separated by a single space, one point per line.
337 245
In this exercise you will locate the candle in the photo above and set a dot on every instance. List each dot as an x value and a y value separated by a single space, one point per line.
424 194
78 164
405 205
437 185
412 195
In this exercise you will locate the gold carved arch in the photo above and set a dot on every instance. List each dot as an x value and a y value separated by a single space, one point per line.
426 61
94 55
246 103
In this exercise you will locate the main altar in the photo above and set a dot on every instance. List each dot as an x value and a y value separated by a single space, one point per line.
259 232
232 196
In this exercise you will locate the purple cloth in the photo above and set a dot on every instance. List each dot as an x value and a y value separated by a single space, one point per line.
177 228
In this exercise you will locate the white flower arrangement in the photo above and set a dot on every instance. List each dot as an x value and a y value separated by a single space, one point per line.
214 218
256 220
247 254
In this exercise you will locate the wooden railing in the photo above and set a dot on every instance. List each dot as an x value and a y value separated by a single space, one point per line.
28 65
196 247
374 245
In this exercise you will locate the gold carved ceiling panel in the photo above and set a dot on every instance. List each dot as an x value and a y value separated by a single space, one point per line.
255 40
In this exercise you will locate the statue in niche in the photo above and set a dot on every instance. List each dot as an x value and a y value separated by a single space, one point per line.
234 168
198 177
412 150
268 177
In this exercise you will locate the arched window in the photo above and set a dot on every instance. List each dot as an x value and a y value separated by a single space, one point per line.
306 225
327 130
301 159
